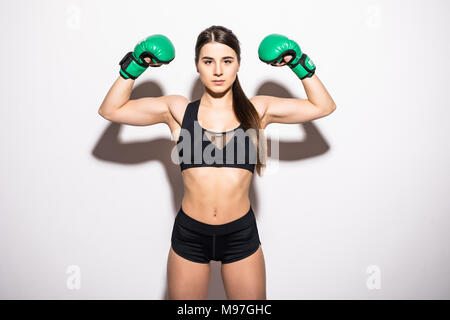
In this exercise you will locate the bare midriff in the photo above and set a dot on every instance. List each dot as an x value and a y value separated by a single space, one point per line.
216 195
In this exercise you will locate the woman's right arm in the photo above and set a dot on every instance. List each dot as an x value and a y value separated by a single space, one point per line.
117 106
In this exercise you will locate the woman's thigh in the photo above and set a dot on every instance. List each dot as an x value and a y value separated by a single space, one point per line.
246 278
186 279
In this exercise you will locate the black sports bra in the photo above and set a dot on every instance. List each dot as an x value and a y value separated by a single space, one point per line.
199 147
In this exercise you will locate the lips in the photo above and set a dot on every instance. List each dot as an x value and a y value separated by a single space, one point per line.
218 82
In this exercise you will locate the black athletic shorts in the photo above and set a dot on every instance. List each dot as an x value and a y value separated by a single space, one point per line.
201 242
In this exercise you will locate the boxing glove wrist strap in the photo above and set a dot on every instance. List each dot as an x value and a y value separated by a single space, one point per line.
130 68
303 67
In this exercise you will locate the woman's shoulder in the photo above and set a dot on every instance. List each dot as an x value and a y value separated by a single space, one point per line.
177 107
260 104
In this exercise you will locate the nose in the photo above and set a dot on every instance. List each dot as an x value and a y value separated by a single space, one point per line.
217 70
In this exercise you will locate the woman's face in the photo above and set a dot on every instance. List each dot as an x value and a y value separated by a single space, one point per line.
217 61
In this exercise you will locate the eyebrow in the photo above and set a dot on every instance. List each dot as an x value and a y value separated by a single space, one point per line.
227 57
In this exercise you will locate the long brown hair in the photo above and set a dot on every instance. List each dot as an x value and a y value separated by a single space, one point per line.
243 108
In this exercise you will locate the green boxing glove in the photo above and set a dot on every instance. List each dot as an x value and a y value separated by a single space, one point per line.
274 47
157 47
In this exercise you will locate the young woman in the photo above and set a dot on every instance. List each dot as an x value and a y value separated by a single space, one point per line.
215 220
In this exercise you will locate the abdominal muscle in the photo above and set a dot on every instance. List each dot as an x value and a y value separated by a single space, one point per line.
216 195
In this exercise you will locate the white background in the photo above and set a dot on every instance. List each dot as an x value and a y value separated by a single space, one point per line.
357 209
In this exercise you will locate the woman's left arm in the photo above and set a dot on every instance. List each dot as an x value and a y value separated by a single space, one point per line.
278 50
291 110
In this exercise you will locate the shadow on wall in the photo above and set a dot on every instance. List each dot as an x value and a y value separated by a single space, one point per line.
109 148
